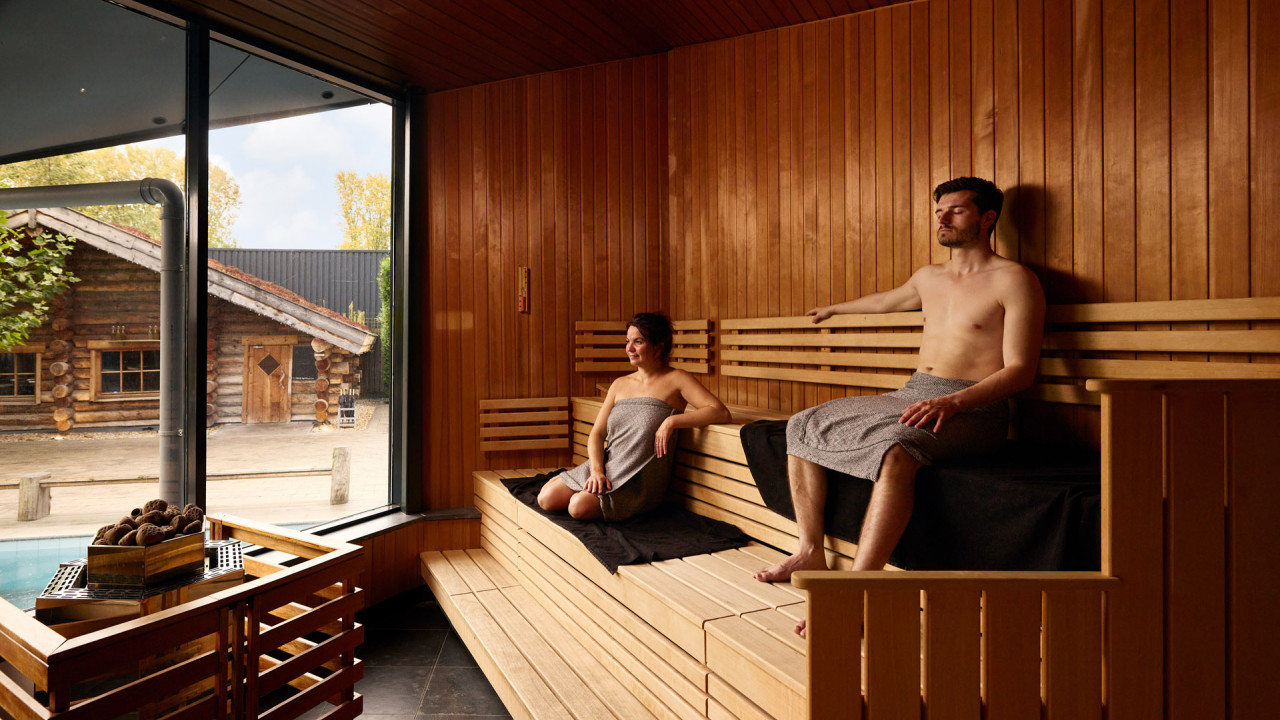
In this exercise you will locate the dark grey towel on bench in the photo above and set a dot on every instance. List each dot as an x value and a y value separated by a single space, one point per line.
662 534
1022 509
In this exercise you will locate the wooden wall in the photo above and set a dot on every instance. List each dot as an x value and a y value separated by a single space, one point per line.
791 168
560 173
1126 133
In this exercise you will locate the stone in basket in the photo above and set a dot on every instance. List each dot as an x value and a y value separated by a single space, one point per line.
154 544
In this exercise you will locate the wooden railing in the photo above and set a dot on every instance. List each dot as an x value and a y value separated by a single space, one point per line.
1190 339
225 653
1181 612
524 424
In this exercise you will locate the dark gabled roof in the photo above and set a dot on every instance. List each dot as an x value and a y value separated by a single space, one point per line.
226 283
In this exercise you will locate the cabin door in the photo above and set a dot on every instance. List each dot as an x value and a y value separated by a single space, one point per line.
268 371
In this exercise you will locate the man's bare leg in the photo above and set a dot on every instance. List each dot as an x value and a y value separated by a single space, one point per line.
809 497
888 513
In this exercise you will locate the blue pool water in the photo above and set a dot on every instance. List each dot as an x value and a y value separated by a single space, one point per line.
26 566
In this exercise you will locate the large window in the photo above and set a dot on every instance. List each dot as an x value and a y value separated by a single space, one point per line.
287 157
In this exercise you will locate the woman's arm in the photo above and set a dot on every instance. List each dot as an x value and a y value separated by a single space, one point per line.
597 482
709 410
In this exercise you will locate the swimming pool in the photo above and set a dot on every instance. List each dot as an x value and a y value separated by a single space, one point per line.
26 566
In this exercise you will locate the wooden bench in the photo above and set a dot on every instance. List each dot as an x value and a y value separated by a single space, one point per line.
695 637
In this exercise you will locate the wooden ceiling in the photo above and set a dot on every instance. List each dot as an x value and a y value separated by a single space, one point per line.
443 44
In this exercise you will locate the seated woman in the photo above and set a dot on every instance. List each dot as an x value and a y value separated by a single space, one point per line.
628 469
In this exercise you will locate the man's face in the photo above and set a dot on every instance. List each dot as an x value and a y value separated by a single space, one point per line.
959 222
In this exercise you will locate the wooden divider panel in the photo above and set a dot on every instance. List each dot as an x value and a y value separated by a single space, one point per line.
598 346
524 424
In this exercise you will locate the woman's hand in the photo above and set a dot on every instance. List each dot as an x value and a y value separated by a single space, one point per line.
597 483
663 435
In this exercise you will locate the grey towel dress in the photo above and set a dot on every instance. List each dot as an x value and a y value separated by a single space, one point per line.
852 434
638 477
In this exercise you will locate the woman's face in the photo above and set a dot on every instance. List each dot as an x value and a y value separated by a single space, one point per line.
639 350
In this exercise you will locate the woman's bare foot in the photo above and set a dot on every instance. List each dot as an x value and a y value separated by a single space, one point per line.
800 561
799 628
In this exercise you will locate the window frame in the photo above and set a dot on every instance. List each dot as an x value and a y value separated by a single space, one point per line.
97 348
37 349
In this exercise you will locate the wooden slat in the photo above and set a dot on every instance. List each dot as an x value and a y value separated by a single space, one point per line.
1167 311
1072 654
893 653
522 403
550 416
833 377
952 638
1227 341
841 340
496 445
524 431
835 631
1011 650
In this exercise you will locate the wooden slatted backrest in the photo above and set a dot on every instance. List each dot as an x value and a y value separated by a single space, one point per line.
524 424
1186 339
598 346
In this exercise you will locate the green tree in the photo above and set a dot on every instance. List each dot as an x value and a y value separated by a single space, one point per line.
131 162
384 314
32 272
366 210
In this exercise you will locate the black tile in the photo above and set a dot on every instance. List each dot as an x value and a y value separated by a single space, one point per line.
393 690
394 646
460 691
454 653
415 609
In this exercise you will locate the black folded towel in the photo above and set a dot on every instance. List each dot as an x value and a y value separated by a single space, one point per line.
1027 508
662 534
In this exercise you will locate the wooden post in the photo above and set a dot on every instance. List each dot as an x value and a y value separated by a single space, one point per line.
340 477
33 497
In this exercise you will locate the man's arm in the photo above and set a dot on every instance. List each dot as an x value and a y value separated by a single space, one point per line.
900 299
1023 332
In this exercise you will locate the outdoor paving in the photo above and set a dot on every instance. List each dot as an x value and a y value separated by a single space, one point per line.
231 448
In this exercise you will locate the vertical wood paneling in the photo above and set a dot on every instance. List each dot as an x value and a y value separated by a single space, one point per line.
551 172
764 174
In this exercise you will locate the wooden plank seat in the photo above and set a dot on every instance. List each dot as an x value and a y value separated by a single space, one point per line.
598 346
691 638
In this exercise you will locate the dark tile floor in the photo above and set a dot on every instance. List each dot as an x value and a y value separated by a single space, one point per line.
416 667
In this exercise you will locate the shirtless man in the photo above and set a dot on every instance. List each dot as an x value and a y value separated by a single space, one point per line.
983 321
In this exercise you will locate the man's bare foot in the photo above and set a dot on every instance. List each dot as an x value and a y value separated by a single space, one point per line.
800 561
799 628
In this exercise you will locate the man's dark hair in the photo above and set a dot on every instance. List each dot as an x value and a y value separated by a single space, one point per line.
656 330
985 193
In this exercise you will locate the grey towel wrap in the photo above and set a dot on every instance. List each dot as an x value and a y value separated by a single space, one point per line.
852 434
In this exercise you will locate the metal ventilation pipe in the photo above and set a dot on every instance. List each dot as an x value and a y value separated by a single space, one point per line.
169 196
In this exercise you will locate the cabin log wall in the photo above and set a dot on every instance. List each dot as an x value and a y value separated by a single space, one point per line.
795 167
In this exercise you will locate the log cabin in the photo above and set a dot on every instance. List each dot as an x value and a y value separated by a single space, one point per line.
272 355
741 161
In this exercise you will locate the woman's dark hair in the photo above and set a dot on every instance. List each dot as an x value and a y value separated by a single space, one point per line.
655 327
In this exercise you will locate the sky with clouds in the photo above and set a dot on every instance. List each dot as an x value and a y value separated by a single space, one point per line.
286 170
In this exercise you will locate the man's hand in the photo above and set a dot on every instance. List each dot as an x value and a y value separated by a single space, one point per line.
663 434
597 484
935 410
821 313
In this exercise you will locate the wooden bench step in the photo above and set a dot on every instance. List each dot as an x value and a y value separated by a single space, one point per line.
537 669
691 638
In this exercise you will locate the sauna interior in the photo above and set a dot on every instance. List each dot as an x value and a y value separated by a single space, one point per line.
568 163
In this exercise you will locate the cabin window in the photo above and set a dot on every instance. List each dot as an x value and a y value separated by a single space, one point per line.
19 377
129 373
304 363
